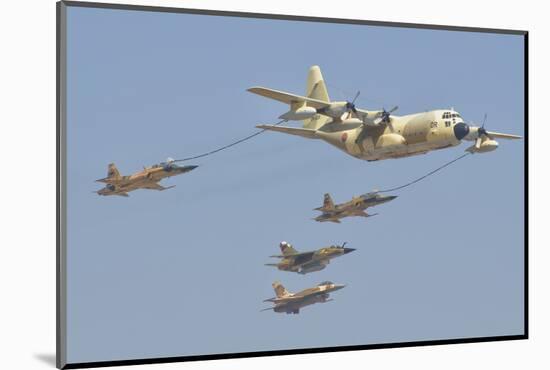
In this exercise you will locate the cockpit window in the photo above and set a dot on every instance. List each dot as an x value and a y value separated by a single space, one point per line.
325 283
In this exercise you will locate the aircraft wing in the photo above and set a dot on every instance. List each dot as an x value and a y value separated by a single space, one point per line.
303 132
288 98
155 186
122 194
297 258
113 181
503 136
307 293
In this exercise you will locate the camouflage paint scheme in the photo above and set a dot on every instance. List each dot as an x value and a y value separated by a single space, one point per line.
148 178
293 302
354 207
374 134
305 262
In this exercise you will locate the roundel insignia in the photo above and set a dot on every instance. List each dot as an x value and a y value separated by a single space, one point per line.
344 137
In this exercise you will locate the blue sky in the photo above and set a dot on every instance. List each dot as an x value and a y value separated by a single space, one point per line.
181 272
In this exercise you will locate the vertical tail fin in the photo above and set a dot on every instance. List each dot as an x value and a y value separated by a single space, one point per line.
287 249
112 172
316 89
280 290
328 204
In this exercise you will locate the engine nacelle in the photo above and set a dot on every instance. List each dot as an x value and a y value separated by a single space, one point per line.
487 145
299 114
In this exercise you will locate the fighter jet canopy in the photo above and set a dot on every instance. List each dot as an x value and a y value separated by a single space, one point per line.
325 283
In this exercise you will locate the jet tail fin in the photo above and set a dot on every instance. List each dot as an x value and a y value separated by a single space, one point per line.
112 174
112 171
328 204
287 249
280 290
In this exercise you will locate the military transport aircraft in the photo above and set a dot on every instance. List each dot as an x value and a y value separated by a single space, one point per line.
304 262
354 207
292 302
378 134
148 178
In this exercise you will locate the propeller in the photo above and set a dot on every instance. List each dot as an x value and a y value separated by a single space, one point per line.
481 133
350 106
384 116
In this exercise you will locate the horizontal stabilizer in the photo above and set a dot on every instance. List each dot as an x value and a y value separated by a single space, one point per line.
288 98
303 132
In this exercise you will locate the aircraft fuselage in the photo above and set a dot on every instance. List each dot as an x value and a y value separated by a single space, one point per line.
408 135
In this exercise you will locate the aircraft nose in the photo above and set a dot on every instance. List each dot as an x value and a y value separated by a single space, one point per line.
338 286
348 250
461 130
188 168
391 197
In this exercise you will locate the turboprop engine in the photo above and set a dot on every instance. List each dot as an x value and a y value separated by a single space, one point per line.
484 140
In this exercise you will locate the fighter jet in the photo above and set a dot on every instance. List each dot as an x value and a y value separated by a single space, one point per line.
148 178
302 263
355 207
292 302
374 134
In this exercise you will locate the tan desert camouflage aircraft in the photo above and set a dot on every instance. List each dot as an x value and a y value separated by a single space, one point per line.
354 207
304 262
292 302
375 134
148 178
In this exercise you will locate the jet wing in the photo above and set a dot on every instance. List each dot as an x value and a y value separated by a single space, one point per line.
306 294
155 186
113 181
303 132
297 258
288 98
